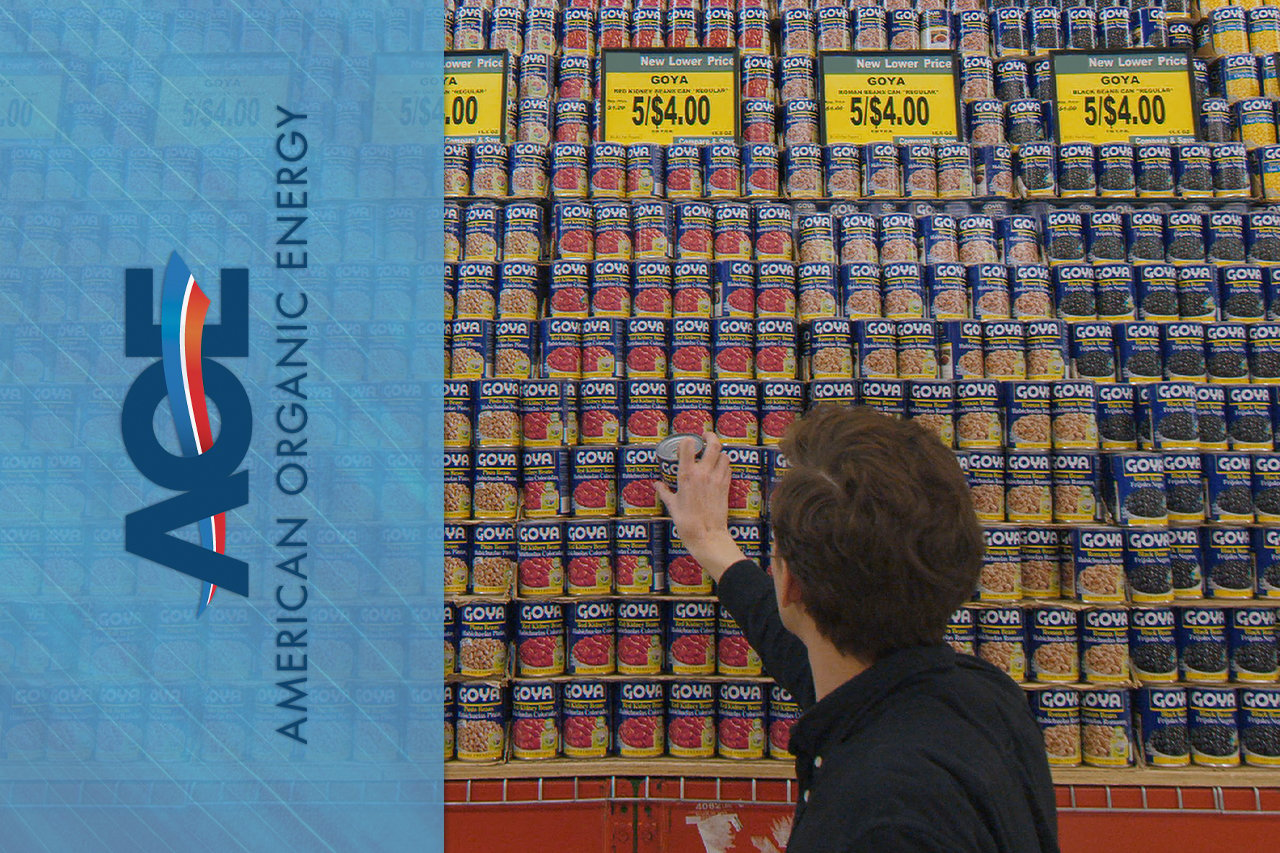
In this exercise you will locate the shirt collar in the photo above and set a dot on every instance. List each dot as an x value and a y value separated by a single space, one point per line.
839 714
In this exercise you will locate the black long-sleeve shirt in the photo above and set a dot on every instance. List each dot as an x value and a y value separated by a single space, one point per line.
925 751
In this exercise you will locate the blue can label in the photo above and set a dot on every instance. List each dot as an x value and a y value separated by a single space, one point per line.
457 559
482 647
593 474
1153 644
481 722
1259 724
1001 640
1228 565
496 476
1052 645
639 715
539 638
1028 406
691 627
585 714
590 629
1106 713
588 554
1202 644
1161 716
1211 717
741 720
535 721
1000 579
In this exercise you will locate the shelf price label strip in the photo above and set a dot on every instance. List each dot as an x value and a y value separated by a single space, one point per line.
665 96
475 95
1119 96
409 96
214 98
30 98
889 96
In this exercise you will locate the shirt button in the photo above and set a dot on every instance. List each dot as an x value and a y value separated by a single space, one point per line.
817 762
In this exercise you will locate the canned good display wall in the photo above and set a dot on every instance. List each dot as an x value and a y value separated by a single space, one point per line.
1094 329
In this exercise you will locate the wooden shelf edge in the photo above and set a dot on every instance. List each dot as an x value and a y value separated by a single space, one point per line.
721 768
561 768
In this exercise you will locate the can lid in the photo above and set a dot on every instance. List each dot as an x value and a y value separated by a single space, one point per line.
668 450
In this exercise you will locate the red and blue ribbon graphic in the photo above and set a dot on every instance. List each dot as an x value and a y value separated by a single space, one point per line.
183 306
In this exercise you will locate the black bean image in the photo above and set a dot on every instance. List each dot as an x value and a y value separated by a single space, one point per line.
1186 248
1037 178
1026 132
1011 87
1115 303
1227 249
1214 739
1213 428
1147 249
1197 178
1267 248
1251 429
1146 502
1194 304
1096 364
1237 500
1048 39
1066 247
1151 579
1082 38
1011 39
1117 178
1267 501
1142 363
1076 178
1232 574
1162 304
1261 740
1187 362
1245 305
1118 428
1185 497
1155 658
1078 303
1156 180
1172 739
1265 365
1186 573
1205 657
1180 426
1256 657
1114 38
1228 365
1272 577
1108 249
1216 129
1231 177
1177 7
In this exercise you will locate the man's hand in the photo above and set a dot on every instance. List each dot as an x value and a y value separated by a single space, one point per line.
700 506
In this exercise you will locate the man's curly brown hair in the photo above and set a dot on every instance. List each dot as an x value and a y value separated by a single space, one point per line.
875 521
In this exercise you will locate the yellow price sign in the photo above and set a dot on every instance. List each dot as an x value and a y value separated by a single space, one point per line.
475 95
665 96
889 96
30 97
1122 95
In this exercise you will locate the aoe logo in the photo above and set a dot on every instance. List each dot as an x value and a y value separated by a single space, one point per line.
204 471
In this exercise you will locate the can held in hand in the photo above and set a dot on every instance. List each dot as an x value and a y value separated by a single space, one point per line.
668 452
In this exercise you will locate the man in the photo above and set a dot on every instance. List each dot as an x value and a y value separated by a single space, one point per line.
904 745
